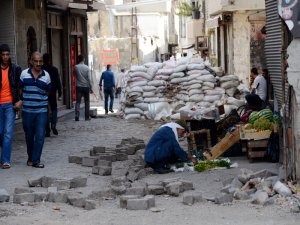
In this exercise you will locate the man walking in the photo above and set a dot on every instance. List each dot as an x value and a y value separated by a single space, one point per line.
9 102
35 84
83 87
109 88
55 87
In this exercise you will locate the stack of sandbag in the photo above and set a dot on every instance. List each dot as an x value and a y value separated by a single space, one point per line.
230 84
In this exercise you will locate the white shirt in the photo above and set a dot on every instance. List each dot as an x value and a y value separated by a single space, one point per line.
260 85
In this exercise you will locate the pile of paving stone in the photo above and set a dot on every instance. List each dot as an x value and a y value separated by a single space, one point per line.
262 187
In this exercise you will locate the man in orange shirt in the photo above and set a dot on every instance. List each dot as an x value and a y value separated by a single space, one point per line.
9 102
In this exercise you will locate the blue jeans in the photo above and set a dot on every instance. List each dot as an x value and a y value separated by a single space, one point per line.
108 92
34 125
7 125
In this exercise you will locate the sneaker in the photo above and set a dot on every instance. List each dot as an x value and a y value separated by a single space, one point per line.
111 110
5 165
55 132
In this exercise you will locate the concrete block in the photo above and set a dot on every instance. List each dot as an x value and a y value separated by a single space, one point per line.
76 200
119 190
40 196
189 198
24 197
107 157
104 163
90 204
118 181
75 159
102 170
139 191
52 189
124 199
260 197
58 197
174 188
121 156
89 161
151 200
168 181
104 193
121 149
222 198
78 182
130 150
20 190
99 149
241 195
139 146
61 184
48 181
186 186
35 182
4 196
137 204
156 190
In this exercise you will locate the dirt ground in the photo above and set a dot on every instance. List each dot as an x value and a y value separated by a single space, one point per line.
79 137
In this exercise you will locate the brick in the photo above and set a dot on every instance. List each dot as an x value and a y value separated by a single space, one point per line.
124 199
121 156
151 200
156 190
186 186
24 197
20 190
76 200
174 188
48 181
62 184
78 182
90 204
58 197
137 204
40 196
102 170
75 159
189 198
35 182
140 191
4 196
89 161
107 157
104 193
222 198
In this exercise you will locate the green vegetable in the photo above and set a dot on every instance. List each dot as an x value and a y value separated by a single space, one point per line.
207 164
263 124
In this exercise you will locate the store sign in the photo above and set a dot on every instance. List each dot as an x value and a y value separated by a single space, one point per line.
289 10
109 56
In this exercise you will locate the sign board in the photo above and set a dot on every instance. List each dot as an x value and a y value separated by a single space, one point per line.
109 56
289 10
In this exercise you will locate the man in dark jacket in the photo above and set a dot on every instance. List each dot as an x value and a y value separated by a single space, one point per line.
9 102
108 78
55 87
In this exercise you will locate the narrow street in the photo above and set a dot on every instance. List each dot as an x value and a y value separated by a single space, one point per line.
77 138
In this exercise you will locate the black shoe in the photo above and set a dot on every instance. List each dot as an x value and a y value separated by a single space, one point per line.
111 110
55 131
86 119
162 170
76 119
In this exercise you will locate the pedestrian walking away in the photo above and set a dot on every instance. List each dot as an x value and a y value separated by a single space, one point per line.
109 85
83 87
35 84
9 103
52 100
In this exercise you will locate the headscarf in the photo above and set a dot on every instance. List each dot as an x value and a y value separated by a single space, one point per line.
174 127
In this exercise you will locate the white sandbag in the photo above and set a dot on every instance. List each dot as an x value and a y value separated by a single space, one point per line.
229 84
231 91
196 66
183 92
157 83
179 68
208 84
142 106
149 94
161 77
138 83
204 88
133 110
193 76
195 86
182 97
216 91
207 78
196 61
176 75
135 89
204 104
160 88
178 80
195 91
175 116
165 71
192 72
196 97
195 81
138 68
163 99
134 94
205 72
135 79
154 64
149 88
140 74
234 101
171 63
211 98
152 70
229 108
132 116
159 110
228 78
151 100
183 61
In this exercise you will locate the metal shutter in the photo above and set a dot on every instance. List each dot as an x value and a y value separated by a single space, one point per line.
7 28
273 47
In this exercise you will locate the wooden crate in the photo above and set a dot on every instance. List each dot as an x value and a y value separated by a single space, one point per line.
257 148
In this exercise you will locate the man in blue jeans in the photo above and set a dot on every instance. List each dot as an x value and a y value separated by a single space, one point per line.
35 84
109 88
9 102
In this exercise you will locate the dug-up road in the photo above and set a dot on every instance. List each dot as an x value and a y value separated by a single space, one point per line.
79 137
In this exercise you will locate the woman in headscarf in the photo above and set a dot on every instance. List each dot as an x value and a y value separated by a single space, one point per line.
163 148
